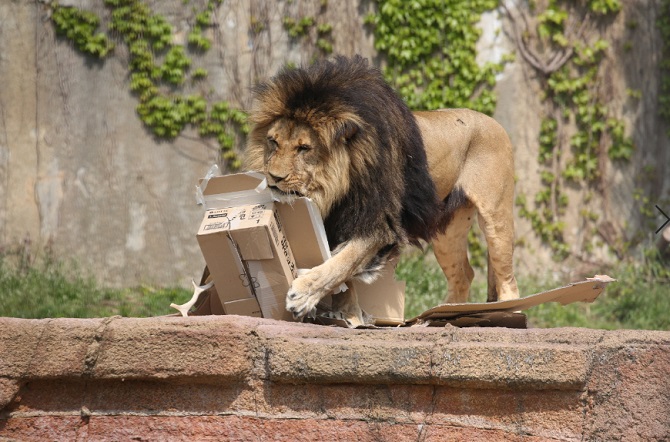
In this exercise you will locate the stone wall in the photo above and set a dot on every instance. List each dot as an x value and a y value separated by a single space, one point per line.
79 173
238 378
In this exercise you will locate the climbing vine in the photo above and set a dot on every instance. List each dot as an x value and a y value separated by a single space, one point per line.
80 27
578 131
314 29
430 49
158 69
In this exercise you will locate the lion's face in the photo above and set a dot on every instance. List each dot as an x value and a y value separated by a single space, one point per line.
297 161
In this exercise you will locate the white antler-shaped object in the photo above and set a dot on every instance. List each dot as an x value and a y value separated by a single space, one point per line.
197 291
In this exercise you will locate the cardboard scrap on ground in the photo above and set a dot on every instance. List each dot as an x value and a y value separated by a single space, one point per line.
254 247
505 311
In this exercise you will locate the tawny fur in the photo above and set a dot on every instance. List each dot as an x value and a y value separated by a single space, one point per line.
382 177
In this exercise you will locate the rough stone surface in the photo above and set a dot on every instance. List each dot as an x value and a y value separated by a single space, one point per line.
238 378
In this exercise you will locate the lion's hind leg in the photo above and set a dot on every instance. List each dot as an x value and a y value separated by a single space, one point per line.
499 232
451 250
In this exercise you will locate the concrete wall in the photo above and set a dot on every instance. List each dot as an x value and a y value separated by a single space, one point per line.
239 379
79 172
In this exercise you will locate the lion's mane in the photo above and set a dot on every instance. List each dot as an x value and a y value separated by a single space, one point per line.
389 193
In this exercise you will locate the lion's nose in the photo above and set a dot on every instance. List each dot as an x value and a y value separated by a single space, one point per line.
276 178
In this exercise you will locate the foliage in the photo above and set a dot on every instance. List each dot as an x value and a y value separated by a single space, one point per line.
573 100
159 69
196 38
430 46
79 27
46 288
301 28
426 284
298 28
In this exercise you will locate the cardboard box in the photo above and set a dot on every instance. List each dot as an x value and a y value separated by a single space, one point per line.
249 258
241 242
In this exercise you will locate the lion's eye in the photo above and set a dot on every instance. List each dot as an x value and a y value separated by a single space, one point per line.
272 143
304 148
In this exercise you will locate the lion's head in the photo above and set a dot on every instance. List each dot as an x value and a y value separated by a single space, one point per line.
337 132
299 159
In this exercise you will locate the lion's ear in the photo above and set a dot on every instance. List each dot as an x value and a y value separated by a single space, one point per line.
346 131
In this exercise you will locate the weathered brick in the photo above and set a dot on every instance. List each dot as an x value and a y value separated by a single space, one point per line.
201 349
490 365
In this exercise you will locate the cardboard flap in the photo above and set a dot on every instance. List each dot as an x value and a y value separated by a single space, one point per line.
583 291
269 279
243 307
237 182
254 244
305 232
384 299
239 189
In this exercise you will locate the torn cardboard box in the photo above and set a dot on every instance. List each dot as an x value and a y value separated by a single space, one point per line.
254 246
249 258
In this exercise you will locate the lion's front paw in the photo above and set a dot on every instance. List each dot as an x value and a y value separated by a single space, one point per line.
303 296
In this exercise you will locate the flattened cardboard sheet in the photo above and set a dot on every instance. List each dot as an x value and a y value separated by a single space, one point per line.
583 291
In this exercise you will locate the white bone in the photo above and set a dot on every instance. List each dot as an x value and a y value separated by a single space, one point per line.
197 291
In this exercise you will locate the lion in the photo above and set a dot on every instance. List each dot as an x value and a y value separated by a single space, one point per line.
382 177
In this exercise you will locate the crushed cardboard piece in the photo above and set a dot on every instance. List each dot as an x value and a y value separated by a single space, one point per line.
488 319
231 203
583 291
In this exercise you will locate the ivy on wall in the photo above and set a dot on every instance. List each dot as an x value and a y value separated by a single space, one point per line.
430 50
159 69
313 32
579 130
80 27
